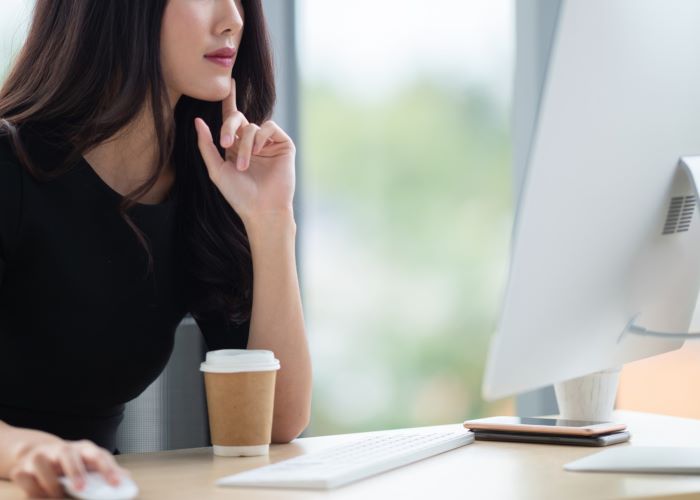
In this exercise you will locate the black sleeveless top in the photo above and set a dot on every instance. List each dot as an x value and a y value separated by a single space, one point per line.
83 327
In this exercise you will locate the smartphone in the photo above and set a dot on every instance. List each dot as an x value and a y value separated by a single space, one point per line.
539 425
525 437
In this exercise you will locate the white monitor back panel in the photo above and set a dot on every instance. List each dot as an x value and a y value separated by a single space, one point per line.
620 105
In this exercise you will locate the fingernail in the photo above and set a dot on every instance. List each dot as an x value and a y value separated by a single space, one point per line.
226 140
240 163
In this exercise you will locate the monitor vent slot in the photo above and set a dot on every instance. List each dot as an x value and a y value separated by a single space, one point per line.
680 214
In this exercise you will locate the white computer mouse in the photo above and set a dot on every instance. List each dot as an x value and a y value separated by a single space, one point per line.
97 488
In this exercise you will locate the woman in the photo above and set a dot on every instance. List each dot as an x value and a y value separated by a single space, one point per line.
120 213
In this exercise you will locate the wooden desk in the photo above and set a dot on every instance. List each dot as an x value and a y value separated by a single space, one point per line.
481 470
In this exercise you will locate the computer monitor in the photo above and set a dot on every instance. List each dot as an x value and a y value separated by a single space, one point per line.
606 237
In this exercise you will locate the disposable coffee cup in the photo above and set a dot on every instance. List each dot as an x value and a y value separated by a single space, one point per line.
591 397
240 387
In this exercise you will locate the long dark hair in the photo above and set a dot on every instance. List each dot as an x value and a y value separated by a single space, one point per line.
86 70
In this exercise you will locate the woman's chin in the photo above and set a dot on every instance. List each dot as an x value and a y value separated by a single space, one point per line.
213 90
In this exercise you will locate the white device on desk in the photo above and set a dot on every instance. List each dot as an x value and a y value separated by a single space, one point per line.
605 263
97 488
651 459
350 462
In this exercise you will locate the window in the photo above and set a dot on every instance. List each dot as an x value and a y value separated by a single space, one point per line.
14 23
406 154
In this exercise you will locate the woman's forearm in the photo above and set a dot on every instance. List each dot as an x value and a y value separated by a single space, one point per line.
277 321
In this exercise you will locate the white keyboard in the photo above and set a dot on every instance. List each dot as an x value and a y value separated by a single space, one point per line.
345 463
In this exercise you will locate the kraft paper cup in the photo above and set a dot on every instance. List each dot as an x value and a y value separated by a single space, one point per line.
240 387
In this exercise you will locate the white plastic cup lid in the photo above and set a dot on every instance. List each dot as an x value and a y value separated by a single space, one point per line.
240 360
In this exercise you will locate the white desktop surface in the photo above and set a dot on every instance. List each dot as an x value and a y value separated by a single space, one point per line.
483 470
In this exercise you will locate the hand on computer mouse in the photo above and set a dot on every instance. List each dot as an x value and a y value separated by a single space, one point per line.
39 466
97 488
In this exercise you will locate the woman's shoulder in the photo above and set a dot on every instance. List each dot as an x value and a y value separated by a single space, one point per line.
10 196
10 166
7 153
10 174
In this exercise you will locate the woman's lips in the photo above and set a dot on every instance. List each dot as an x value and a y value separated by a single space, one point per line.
226 62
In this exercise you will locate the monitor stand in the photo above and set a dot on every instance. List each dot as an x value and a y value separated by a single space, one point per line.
591 397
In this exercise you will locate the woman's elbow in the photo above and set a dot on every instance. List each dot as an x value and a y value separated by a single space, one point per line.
285 434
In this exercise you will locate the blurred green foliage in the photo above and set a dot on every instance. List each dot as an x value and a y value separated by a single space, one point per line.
421 182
